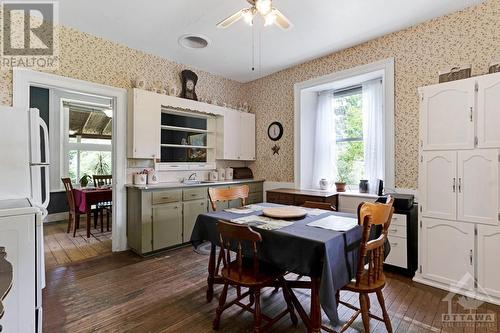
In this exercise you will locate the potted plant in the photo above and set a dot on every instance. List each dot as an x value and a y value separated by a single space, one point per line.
84 181
342 175
340 184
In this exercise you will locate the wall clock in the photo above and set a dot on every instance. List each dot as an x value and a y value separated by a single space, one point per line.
275 131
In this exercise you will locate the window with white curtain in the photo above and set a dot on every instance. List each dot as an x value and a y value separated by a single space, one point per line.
349 134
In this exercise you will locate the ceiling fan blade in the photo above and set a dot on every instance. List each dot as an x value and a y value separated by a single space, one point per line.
231 19
281 20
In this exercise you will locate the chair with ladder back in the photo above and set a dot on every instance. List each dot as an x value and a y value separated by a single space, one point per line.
101 181
227 194
74 211
247 271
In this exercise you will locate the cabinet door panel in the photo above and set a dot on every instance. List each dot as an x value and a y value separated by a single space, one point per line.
398 256
167 225
447 116
191 211
478 186
247 133
488 252
438 184
447 251
231 135
488 111
145 120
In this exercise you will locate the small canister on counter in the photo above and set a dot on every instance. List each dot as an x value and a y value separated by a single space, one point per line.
222 174
229 173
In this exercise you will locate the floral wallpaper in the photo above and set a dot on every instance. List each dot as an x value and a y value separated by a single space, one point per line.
91 58
471 36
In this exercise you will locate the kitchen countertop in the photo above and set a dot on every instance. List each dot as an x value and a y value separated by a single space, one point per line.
169 185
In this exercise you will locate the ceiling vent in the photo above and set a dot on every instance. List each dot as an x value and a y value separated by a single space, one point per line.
193 42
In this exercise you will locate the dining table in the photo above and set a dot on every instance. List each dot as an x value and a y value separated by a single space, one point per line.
85 198
328 257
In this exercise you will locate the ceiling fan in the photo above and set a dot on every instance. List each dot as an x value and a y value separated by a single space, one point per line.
265 8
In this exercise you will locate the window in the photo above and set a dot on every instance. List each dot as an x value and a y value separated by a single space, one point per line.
344 121
349 135
88 141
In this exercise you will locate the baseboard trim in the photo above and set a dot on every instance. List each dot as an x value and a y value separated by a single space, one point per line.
56 217
469 293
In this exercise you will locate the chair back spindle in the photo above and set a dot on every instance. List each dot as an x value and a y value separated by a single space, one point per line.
102 180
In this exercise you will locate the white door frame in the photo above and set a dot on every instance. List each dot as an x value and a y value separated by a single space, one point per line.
24 78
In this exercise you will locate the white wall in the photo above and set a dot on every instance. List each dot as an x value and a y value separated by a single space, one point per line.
309 101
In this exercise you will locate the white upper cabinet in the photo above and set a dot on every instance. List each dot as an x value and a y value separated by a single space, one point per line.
247 136
447 251
236 136
488 252
144 119
447 115
438 184
488 106
477 186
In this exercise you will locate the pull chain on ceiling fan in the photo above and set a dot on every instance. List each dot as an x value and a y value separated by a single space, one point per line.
264 8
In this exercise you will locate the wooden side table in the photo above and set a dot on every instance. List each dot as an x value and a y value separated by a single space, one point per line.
290 196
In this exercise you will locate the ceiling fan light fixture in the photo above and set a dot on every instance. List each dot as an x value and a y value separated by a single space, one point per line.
264 7
248 16
269 19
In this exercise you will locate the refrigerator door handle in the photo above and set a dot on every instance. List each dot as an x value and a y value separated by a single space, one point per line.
45 130
45 203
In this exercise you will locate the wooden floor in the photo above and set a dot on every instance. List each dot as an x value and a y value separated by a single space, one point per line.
62 248
125 293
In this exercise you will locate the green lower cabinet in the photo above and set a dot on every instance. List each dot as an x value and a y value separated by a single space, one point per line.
191 211
220 205
167 225
255 198
234 203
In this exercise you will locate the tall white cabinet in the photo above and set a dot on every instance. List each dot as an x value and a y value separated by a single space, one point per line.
459 243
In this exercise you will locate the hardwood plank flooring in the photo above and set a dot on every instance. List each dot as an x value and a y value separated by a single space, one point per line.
166 293
62 248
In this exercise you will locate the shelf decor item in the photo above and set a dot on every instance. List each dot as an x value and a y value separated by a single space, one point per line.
455 73
494 67
189 80
363 186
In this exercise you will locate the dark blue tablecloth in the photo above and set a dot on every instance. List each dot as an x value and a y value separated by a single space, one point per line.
301 249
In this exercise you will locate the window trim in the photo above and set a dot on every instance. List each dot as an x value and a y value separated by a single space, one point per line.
386 66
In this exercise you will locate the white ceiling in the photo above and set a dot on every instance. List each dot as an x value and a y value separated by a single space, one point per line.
320 27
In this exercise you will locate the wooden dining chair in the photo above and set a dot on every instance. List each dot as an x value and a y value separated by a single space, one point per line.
247 271
319 205
107 207
74 211
102 180
370 274
228 194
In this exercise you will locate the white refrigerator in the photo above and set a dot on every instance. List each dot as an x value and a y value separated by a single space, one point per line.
24 197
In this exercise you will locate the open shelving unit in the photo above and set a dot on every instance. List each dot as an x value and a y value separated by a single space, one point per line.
187 140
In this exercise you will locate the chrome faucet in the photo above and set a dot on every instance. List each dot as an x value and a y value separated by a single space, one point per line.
193 174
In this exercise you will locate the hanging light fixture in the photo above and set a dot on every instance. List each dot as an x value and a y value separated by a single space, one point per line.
264 8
